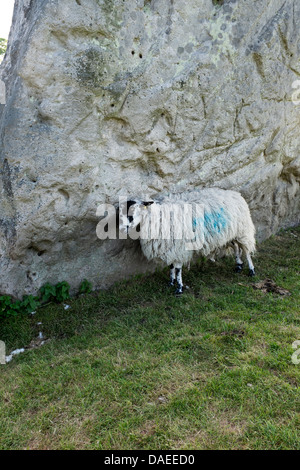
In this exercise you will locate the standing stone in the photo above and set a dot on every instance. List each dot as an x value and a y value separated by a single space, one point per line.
108 98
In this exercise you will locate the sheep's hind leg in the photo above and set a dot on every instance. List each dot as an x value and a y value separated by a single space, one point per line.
239 263
178 272
249 260
172 275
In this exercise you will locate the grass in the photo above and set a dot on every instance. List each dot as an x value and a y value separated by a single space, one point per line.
135 367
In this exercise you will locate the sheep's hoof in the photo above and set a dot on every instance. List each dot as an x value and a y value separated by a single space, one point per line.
178 292
251 273
239 268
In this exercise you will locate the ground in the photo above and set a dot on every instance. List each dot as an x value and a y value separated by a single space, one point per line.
135 367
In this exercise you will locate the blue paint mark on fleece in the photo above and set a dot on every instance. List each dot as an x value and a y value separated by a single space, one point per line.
213 223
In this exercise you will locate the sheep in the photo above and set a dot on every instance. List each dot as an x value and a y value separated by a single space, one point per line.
211 218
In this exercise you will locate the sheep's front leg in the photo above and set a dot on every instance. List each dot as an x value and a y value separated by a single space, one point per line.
172 275
178 273
239 262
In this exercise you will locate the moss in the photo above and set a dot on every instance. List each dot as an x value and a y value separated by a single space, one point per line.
92 68
113 13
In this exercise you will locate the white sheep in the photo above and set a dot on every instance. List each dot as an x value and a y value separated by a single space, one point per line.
174 229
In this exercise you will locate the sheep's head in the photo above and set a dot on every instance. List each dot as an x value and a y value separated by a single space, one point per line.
131 214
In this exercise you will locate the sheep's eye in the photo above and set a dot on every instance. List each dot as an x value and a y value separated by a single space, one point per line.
148 203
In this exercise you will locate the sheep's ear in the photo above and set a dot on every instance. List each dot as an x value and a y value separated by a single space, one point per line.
148 203
131 203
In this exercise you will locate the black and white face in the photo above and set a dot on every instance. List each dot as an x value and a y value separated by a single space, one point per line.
128 215
131 214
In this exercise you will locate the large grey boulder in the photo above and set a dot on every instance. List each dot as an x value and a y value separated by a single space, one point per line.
114 97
